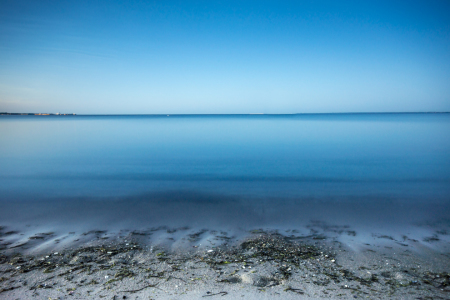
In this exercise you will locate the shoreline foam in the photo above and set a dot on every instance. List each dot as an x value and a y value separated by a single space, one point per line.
261 265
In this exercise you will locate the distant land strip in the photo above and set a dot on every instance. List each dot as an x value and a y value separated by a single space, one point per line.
35 114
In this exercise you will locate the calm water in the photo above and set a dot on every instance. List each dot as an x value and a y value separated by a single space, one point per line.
255 170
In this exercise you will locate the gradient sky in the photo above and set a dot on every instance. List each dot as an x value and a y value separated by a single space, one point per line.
145 57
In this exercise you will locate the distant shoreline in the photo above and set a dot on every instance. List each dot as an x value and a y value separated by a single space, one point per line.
35 114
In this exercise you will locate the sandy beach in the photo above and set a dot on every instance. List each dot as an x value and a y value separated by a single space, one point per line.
224 150
183 263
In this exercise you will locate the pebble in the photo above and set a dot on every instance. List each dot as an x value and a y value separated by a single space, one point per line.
209 251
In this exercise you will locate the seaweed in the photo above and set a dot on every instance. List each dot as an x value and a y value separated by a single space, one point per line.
297 291
233 264
209 294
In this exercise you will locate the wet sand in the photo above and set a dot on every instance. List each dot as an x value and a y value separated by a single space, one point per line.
318 261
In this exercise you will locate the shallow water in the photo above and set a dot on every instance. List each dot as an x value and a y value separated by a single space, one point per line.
242 171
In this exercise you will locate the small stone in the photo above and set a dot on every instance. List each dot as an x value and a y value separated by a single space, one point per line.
246 278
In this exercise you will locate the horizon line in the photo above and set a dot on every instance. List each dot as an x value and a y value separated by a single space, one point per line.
223 114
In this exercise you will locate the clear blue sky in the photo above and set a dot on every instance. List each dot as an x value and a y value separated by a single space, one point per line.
224 56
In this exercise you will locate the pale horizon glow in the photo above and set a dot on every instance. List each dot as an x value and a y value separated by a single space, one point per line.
232 57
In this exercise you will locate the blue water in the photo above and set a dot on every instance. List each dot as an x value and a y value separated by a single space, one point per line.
263 168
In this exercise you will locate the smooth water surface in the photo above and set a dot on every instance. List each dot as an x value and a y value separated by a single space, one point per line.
250 170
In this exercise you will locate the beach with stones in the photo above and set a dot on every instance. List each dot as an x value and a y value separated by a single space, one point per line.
319 260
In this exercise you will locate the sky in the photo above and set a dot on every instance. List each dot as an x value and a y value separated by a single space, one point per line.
158 57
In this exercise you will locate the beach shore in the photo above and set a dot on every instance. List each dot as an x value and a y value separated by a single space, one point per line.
182 263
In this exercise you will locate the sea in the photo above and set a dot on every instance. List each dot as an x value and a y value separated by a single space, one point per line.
374 173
